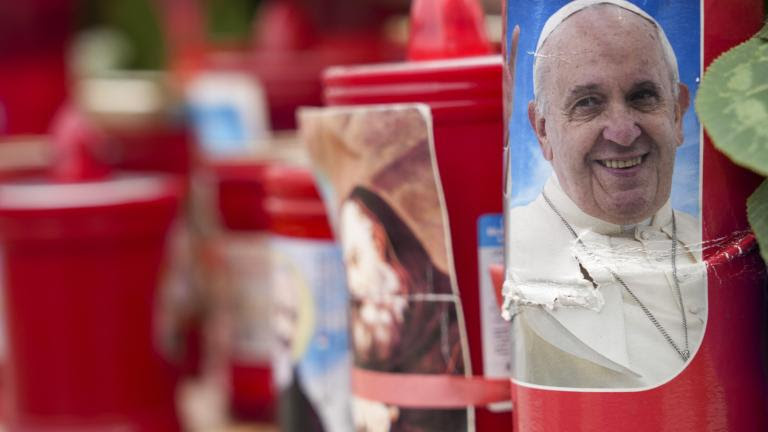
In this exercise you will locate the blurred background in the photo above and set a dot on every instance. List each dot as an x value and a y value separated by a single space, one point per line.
138 142
48 46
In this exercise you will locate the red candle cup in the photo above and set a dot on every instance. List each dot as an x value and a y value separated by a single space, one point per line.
81 265
309 307
142 119
464 96
465 100
627 299
243 252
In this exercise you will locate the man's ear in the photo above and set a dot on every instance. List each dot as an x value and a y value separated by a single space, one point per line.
681 106
539 123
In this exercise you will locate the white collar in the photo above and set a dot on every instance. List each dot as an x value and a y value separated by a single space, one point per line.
581 221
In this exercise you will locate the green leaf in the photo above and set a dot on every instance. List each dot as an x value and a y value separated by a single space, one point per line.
138 22
757 213
732 103
230 20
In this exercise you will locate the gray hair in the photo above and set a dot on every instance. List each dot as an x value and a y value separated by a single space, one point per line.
576 6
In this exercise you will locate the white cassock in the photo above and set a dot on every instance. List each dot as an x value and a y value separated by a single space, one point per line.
567 333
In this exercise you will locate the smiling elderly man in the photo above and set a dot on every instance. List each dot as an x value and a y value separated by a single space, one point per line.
604 281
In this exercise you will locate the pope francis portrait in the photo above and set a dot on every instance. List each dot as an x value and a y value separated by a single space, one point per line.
604 285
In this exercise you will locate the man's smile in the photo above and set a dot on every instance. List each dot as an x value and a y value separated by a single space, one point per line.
623 163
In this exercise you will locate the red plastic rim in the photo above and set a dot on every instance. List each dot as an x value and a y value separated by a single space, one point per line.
468 89
293 203
42 196
241 194
128 206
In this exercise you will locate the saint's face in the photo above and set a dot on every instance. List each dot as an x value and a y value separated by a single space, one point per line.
611 122
376 285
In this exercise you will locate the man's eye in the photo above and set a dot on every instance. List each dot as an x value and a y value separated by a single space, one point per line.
586 108
644 97
587 102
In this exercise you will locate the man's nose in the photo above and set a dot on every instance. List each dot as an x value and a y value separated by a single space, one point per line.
621 127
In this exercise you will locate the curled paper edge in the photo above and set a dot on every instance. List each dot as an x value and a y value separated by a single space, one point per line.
549 293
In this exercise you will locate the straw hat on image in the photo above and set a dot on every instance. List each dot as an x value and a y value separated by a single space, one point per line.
387 151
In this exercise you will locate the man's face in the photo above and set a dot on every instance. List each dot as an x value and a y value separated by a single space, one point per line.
611 122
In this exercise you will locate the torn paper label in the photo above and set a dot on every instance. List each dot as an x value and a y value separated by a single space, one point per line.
570 292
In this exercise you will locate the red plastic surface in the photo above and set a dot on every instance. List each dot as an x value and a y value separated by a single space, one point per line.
252 395
446 29
34 35
458 90
241 194
80 293
724 387
469 158
291 51
77 143
284 26
294 205
26 218
466 104
163 148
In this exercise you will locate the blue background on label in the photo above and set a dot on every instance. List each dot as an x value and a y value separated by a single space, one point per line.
218 128
329 343
490 230
529 170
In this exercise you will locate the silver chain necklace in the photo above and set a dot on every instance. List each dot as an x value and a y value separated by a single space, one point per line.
683 353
